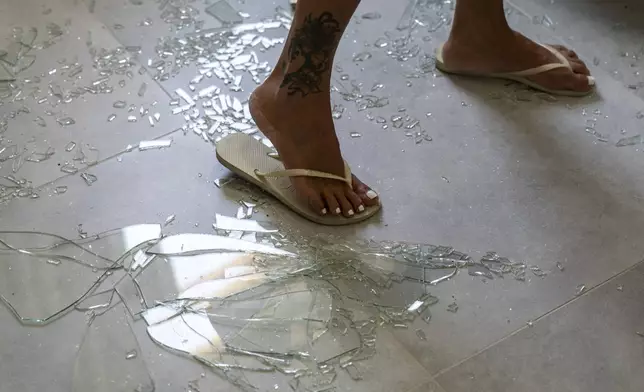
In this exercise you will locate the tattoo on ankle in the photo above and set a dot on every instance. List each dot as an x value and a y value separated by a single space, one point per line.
312 45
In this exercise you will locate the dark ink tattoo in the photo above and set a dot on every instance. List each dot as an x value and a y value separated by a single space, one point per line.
312 45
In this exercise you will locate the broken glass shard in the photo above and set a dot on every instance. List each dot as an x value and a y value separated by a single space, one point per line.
453 307
359 57
169 220
186 244
89 178
111 117
355 134
421 334
371 15
142 89
68 168
65 121
119 104
131 119
59 190
154 144
229 223
580 289
184 95
629 141
131 354
40 121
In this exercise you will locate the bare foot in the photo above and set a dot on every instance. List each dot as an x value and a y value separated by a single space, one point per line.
513 52
303 133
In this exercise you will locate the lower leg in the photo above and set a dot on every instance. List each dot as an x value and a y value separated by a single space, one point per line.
481 41
293 109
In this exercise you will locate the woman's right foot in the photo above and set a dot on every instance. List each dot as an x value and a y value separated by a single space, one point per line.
303 133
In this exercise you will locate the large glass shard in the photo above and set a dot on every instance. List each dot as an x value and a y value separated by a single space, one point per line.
44 260
105 361
223 222
190 244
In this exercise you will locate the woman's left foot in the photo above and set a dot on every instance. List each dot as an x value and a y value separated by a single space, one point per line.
514 52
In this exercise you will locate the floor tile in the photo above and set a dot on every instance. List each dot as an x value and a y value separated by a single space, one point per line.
591 344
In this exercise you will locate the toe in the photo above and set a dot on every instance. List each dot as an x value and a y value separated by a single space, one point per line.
317 204
345 204
579 67
354 199
369 197
331 202
581 83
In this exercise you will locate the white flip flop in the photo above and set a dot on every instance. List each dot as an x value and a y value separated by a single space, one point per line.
258 164
522 76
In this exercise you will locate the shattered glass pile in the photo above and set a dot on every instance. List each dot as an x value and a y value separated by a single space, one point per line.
247 300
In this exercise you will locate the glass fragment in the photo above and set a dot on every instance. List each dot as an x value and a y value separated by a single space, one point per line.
629 141
89 178
154 144
111 117
66 121
229 223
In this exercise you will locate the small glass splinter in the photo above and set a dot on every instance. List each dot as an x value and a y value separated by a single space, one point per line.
89 178
154 144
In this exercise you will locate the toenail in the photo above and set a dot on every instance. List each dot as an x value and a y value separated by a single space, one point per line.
323 212
361 208
591 81
371 194
338 210
350 213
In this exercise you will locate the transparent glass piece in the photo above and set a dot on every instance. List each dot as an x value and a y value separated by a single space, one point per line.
111 117
40 121
69 168
223 222
453 307
65 121
154 144
184 95
169 220
59 190
107 359
580 289
363 56
371 15
355 134
89 261
119 104
89 178
142 89
187 244
629 141
132 119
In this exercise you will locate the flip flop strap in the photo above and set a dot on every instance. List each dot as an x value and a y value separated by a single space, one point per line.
563 63
308 173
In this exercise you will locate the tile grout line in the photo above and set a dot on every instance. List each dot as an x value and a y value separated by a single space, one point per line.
599 285
156 82
86 168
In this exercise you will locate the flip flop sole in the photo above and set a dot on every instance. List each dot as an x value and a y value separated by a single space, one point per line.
243 155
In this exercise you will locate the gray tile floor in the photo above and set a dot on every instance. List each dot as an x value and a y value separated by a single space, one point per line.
531 178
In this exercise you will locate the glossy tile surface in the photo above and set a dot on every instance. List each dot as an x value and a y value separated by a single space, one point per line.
535 179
